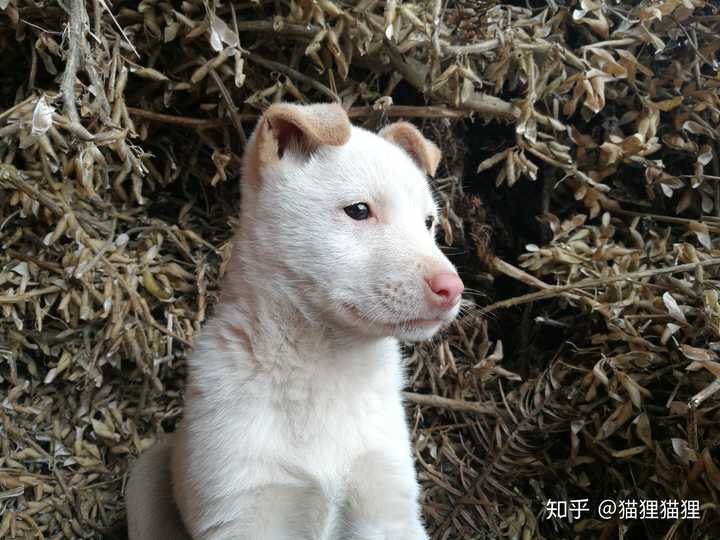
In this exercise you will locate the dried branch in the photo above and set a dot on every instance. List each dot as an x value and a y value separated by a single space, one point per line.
293 73
75 36
440 402
592 283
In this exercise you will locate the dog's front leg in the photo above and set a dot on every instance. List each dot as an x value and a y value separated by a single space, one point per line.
382 500
272 512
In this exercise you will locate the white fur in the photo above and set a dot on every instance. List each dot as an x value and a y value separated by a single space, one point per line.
294 427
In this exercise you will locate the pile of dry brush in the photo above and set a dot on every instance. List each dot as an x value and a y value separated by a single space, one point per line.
581 199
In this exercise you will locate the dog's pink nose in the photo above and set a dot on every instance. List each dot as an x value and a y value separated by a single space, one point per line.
445 289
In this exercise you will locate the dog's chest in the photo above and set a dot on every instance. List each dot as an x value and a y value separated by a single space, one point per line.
332 412
320 416
325 437
292 419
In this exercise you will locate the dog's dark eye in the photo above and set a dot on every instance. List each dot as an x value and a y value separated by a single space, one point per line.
429 221
358 211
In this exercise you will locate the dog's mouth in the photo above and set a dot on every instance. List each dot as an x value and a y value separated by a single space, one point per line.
358 317
419 323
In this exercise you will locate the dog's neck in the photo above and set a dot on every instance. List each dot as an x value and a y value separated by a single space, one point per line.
269 320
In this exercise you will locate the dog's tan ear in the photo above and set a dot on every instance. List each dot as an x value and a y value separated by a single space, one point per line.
423 152
306 126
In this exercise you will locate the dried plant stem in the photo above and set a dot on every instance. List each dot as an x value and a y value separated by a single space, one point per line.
75 37
705 393
668 219
516 273
475 48
234 115
37 262
716 173
11 175
15 178
480 103
4 114
306 31
555 291
440 402
196 123
292 73
100 96
18 298
610 43
391 111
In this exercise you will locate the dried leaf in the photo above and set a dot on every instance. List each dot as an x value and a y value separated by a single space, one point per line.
673 309
42 118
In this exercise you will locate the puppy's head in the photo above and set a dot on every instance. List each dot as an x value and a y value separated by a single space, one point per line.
344 222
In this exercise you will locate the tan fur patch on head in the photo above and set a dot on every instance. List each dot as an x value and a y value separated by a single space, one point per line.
424 152
309 126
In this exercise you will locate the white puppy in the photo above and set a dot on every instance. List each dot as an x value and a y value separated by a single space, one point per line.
294 427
